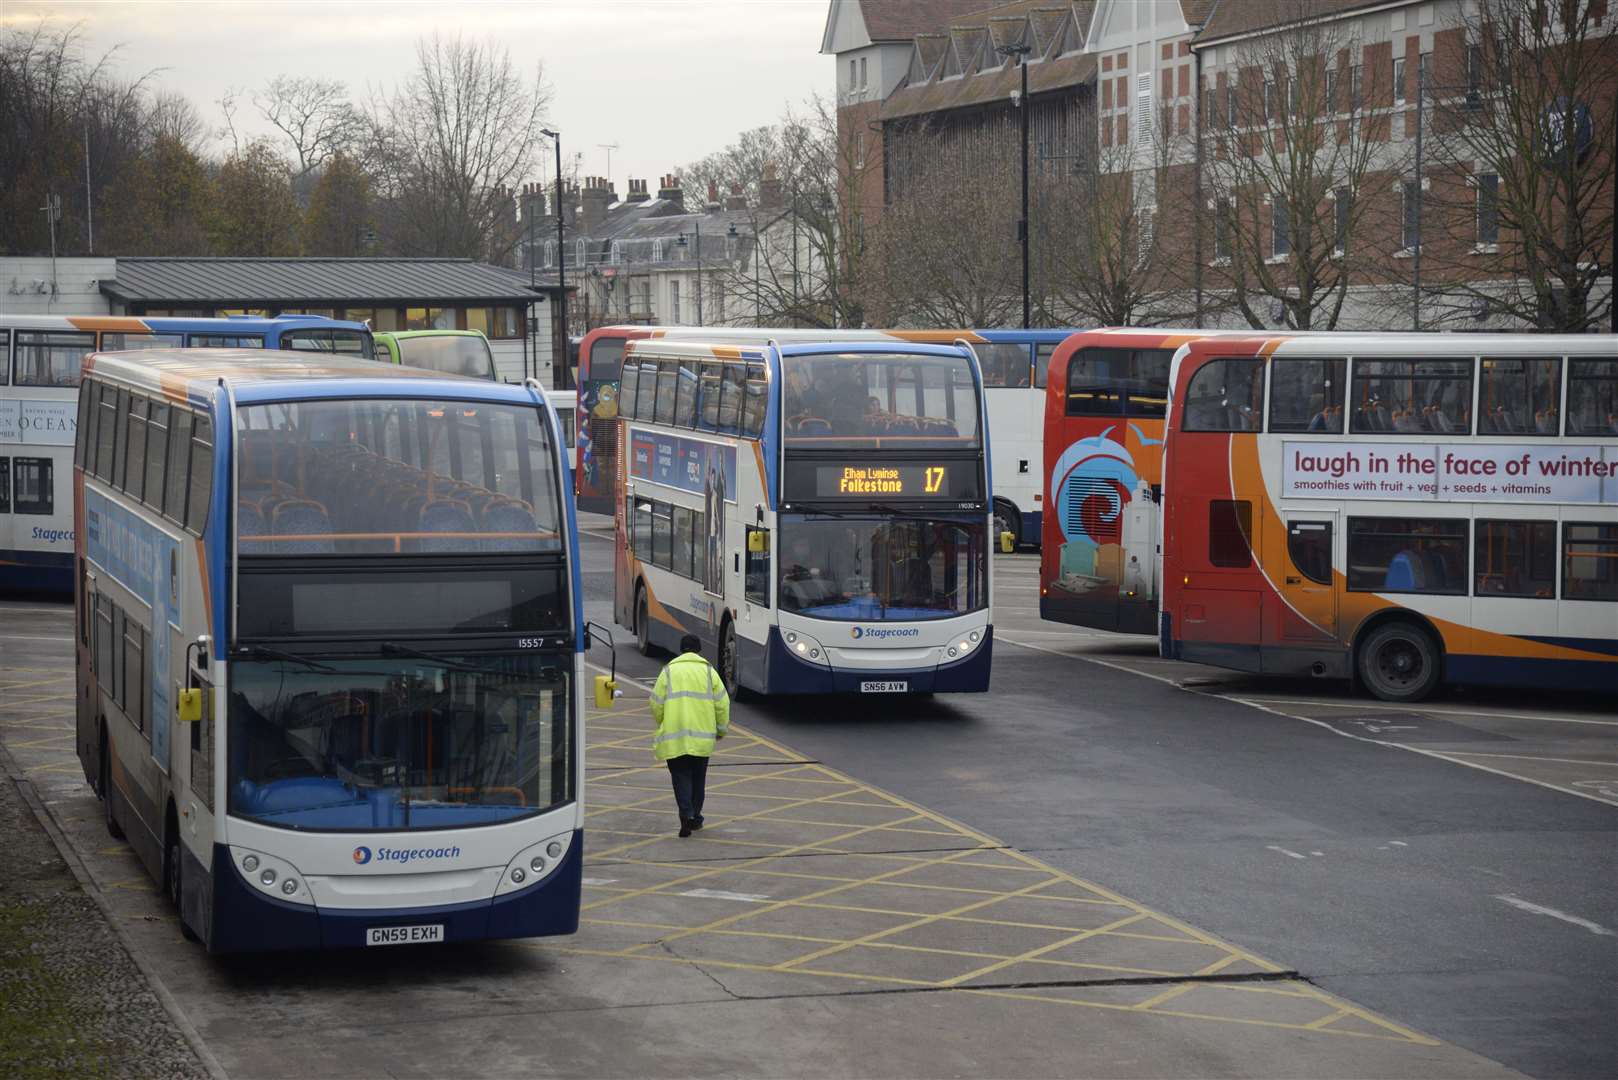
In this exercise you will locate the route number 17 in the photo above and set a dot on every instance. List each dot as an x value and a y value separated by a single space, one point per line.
934 479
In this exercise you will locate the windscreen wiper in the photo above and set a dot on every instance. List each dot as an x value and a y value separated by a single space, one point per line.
393 648
259 652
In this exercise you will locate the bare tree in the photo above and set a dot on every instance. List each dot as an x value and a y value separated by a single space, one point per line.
1521 203
173 115
315 118
1287 160
947 253
458 137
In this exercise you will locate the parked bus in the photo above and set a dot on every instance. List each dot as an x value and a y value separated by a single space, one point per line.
39 378
452 352
1405 509
566 404
1012 362
816 513
328 647
1104 403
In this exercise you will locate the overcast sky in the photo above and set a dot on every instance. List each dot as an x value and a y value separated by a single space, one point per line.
667 80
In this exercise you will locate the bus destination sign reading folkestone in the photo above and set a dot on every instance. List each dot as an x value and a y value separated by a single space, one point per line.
864 480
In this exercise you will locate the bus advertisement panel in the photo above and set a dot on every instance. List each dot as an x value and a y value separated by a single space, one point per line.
329 619
817 513
1404 510
39 404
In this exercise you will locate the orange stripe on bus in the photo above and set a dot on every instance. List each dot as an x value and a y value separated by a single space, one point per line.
109 323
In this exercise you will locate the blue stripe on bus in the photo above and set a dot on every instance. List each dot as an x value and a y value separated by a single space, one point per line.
1596 675
1605 646
45 571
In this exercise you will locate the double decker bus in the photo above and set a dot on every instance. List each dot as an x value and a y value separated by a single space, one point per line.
1012 363
328 647
817 513
39 379
1403 509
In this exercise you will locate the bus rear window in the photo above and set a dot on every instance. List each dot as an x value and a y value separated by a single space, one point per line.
606 358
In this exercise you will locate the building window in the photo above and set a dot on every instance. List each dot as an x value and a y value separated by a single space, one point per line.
1356 88
1269 101
674 301
1407 555
1143 109
1344 210
429 318
1488 209
1230 104
1410 214
1590 562
33 486
859 149
864 73
1474 74
1230 523
1331 91
1280 230
1293 92
1514 558
1399 80
1223 209
853 73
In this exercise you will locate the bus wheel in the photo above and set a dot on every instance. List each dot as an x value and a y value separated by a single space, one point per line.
172 872
1006 520
1399 662
114 830
643 623
727 658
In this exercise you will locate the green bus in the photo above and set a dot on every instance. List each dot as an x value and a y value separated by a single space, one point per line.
451 352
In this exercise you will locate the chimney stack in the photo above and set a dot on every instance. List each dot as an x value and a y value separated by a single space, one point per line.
637 192
736 200
713 204
596 198
670 191
769 190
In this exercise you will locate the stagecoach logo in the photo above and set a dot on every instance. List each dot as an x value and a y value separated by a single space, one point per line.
858 632
362 855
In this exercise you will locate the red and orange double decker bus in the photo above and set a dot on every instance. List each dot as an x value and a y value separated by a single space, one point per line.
1403 509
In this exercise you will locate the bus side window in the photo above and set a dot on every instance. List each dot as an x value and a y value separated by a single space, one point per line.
81 435
135 447
708 399
5 485
730 400
685 400
106 421
1226 395
1592 396
179 466
119 434
1042 363
627 390
758 567
201 488
647 394
1093 383
667 380
157 448
1307 395
1589 561
757 401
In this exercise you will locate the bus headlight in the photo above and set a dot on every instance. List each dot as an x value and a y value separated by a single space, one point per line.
517 875
532 863
813 653
791 637
289 886
272 875
537 864
975 635
802 648
267 877
952 650
553 849
250 863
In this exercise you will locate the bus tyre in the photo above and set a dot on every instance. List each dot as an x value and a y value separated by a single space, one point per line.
1007 520
643 623
727 658
1399 661
172 871
114 830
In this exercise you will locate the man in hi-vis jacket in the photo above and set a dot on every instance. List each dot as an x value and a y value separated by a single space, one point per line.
692 711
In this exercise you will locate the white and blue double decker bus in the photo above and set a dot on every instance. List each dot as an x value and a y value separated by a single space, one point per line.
39 389
329 646
817 513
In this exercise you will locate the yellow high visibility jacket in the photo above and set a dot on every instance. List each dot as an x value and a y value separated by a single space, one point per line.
690 706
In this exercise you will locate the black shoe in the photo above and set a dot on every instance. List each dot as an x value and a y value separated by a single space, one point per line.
695 824
685 828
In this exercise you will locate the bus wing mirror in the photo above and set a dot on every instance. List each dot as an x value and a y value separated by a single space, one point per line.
188 709
758 542
606 686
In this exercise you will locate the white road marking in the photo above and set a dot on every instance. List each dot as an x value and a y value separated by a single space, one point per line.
1284 851
597 880
1442 712
721 894
1398 843
1541 909
32 637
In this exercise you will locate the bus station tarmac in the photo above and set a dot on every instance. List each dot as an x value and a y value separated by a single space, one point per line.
819 925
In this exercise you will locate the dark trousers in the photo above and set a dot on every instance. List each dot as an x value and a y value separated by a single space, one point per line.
690 775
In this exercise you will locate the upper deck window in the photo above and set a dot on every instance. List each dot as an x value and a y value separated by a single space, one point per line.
1592 396
51 359
385 476
606 359
888 398
1118 382
1004 363
1411 397
1226 395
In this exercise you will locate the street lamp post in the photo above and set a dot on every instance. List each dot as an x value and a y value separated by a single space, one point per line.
1021 51
561 377
683 243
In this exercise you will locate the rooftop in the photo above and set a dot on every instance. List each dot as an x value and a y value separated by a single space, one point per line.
254 281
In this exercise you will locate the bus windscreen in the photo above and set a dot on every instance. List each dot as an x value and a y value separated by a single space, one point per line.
863 399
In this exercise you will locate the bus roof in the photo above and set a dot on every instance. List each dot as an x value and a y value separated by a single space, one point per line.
1414 345
139 324
257 376
729 349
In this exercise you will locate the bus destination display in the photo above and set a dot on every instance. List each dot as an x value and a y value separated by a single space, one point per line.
946 480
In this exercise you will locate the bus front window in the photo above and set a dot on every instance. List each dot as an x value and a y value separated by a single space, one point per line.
882 569
398 743
871 399
451 354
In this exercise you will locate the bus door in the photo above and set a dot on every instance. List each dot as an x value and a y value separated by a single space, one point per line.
1306 604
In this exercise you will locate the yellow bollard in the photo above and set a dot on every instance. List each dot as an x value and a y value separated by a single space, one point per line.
1008 543
606 690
